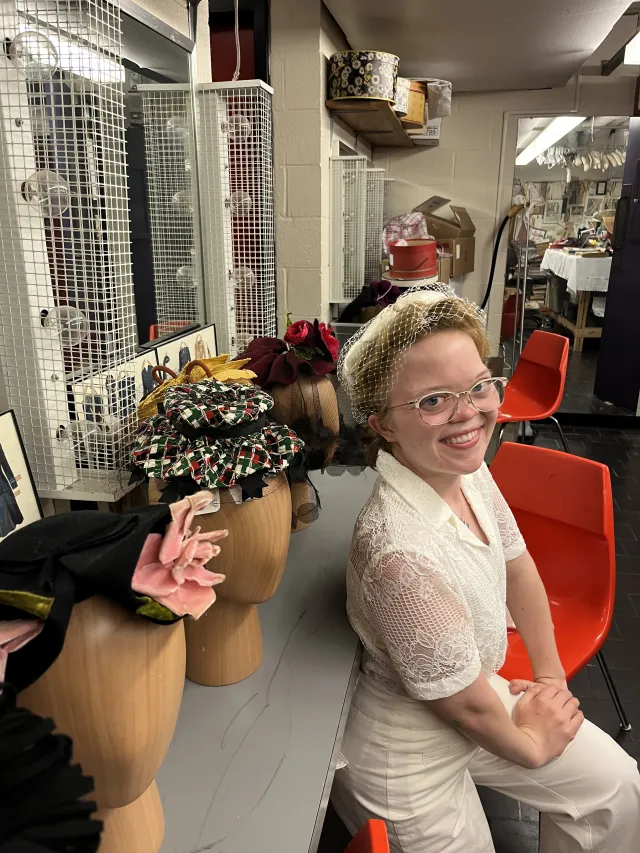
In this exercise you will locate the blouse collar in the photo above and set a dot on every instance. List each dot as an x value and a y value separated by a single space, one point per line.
413 490
427 502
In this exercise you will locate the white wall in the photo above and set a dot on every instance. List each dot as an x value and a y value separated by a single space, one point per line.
475 160
174 13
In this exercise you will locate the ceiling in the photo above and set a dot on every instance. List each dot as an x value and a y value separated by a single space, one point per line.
479 46
599 127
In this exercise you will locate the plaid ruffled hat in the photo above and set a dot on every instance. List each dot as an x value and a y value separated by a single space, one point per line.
214 433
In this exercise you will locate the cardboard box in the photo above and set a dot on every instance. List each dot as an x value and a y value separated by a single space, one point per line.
456 236
444 270
415 116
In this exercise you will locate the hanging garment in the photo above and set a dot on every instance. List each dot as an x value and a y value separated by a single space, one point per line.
10 514
110 385
200 349
126 396
148 382
184 357
93 407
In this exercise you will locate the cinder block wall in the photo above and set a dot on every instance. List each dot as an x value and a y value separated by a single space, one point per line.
303 35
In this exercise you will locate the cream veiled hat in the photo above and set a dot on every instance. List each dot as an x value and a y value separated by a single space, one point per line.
379 346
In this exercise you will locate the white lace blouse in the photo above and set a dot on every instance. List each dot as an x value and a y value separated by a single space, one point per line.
425 595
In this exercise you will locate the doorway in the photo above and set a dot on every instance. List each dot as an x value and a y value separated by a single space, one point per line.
568 177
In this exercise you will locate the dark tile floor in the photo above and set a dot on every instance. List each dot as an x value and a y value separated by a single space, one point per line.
514 826
578 392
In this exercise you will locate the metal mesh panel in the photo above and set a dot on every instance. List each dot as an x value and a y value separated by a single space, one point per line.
169 157
66 294
389 186
374 223
348 203
236 197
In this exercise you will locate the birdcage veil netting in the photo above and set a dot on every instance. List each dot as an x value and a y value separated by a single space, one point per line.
373 358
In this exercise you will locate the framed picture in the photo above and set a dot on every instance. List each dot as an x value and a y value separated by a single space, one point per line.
601 187
145 383
577 212
593 205
19 503
552 212
178 352
106 398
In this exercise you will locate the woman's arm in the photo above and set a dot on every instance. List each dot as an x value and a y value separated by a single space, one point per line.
426 630
544 720
529 607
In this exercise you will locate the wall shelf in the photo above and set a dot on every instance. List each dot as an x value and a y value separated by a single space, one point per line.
374 121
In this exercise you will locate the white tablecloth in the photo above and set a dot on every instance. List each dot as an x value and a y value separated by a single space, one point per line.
580 273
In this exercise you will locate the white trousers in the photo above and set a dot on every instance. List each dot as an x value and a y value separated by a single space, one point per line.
417 773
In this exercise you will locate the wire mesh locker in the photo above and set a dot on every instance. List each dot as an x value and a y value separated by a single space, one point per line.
374 212
170 157
236 198
348 226
67 311
387 208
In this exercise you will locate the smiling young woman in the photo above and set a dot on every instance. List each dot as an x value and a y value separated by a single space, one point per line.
436 559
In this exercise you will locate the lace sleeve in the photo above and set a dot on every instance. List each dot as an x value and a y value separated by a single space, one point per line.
513 544
424 625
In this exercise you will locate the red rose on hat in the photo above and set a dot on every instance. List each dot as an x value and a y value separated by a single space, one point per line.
298 332
329 340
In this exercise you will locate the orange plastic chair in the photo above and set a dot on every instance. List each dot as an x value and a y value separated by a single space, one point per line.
372 838
535 390
564 509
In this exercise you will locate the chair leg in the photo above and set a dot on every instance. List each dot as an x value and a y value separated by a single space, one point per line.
501 433
562 438
625 725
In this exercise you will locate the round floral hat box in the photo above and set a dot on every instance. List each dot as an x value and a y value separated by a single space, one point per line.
363 74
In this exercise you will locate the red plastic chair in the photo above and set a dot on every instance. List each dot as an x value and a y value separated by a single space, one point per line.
535 390
372 838
564 509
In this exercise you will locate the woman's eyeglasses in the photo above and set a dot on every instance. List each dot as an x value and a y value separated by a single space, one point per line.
440 407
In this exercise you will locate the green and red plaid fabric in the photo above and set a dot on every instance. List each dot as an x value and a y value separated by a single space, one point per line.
215 404
161 451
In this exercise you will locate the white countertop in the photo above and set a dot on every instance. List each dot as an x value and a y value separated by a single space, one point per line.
251 765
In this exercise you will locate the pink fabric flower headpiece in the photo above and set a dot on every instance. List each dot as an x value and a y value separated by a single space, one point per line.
172 569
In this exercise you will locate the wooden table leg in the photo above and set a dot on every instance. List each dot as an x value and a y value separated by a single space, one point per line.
584 300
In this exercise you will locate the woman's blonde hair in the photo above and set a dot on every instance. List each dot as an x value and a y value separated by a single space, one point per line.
369 365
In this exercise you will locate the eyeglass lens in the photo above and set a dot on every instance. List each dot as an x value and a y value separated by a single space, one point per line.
440 408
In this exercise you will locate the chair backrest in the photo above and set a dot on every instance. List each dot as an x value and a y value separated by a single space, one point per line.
372 838
564 508
542 368
547 350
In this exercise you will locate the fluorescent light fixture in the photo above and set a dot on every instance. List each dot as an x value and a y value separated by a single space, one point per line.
632 51
553 133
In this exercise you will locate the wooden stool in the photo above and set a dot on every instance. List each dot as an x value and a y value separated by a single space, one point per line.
116 689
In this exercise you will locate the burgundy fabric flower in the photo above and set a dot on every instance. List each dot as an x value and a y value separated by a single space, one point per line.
263 352
172 569
298 332
308 349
